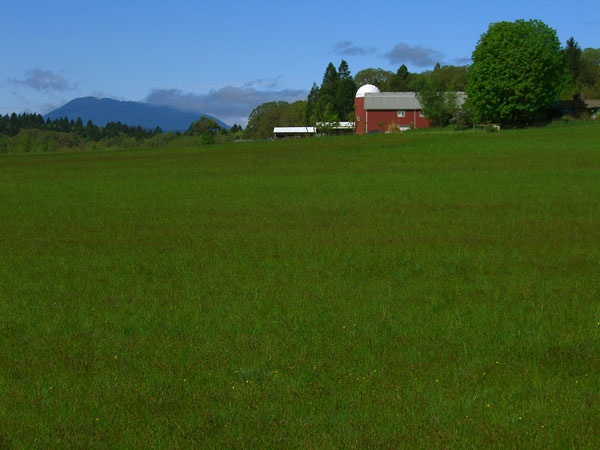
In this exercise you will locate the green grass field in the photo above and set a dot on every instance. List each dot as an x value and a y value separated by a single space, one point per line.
419 291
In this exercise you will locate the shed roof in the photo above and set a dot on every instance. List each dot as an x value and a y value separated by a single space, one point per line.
592 104
297 130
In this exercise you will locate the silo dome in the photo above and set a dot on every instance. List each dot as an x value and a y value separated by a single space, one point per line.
367 89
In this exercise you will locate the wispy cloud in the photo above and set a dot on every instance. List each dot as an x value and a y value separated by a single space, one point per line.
463 61
416 55
264 83
230 104
44 80
348 48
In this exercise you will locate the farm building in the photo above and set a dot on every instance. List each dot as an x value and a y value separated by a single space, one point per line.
576 108
321 128
377 111
336 128
380 111
293 132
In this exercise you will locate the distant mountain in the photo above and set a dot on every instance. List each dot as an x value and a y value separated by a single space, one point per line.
103 110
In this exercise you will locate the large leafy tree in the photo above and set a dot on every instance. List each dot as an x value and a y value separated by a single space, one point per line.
263 118
268 115
204 125
439 104
376 77
206 128
450 78
518 67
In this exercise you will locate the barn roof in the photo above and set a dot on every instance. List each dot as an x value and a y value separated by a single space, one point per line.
391 101
398 101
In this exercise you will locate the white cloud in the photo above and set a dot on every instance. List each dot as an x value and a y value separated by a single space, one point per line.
230 104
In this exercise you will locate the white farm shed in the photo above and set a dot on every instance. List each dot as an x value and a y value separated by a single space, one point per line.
293 132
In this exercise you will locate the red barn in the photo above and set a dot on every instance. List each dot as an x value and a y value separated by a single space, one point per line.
380 111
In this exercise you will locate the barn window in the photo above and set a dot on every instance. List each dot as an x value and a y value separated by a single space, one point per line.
421 114
400 113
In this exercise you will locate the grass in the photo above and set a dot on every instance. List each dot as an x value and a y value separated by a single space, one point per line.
424 290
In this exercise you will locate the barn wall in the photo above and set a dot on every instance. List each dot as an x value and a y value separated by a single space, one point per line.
381 120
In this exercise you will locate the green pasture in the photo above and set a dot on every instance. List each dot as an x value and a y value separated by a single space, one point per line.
423 290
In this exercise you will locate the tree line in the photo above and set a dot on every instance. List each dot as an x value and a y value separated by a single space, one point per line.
30 132
11 125
517 69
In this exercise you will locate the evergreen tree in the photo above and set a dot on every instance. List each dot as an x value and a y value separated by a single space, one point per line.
329 87
343 70
235 129
78 127
14 125
91 131
313 110
333 101
574 62
344 100
399 82
346 91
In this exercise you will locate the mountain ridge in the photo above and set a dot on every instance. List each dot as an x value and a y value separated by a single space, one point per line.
104 110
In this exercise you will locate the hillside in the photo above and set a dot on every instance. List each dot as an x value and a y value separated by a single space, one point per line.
103 110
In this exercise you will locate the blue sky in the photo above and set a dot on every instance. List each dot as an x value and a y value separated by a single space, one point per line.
226 58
